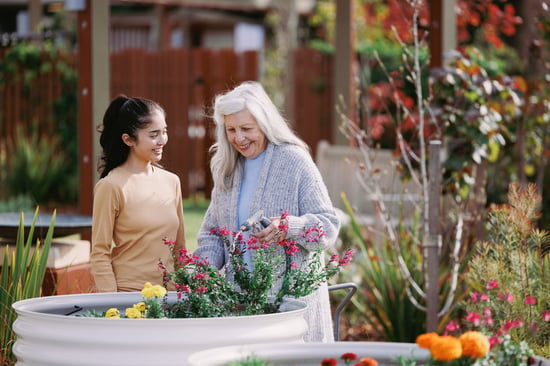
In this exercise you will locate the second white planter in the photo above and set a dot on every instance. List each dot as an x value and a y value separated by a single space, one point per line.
46 336
310 354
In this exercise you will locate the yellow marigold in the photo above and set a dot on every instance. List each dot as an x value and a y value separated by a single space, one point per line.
446 348
425 340
141 306
133 313
367 361
149 291
474 344
112 313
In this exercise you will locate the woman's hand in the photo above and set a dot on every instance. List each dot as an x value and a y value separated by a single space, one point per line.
272 233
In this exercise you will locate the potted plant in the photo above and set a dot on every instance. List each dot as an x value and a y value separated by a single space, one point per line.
160 327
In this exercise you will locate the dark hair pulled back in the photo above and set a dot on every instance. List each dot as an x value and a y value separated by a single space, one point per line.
123 116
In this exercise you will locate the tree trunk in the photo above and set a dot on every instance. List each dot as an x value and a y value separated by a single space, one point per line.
527 40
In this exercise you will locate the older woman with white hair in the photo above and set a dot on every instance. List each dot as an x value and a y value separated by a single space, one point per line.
258 163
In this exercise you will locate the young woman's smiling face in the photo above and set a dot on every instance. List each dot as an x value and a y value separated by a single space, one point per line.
150 141
244 134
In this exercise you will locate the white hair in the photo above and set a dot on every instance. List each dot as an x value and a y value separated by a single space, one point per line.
249 95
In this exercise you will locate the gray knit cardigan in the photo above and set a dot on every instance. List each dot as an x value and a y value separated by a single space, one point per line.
289 181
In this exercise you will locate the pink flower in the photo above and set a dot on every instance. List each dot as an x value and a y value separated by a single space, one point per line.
169 242
201 289
546 315
452 326
348 256
488 316
474 296
511 324
506 297
484 297
473 318
492 284
529 300
494 341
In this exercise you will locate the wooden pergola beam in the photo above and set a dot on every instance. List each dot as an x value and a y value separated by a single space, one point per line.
93 92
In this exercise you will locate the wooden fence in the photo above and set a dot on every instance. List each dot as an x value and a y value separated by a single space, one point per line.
25 103
184 82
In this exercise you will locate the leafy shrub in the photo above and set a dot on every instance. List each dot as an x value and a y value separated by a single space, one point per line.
510 271
36 165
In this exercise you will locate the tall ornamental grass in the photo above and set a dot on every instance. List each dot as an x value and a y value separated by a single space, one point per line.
21 277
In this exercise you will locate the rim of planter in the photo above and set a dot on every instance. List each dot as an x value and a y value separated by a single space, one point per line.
75 306
310 353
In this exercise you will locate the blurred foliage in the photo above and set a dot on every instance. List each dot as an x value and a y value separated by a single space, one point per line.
19 203
475 113
36 165
25 157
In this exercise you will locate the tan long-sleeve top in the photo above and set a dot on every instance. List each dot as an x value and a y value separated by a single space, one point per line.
132 214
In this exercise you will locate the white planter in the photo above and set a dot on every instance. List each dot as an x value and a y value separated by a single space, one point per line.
309 354
47 337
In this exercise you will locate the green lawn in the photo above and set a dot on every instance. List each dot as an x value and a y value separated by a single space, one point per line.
193 213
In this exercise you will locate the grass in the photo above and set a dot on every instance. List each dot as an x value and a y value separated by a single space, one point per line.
193 213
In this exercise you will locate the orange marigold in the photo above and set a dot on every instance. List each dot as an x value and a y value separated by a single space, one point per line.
446 348
367 361
474 344
425 340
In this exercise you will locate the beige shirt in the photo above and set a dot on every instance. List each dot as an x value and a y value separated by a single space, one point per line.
132 214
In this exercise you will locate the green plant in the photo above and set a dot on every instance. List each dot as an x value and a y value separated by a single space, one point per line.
22 202
22 273
385 302
382 300
36 164
510 272
249 361
204 292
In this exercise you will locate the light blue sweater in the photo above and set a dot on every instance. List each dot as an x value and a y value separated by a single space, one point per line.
289 181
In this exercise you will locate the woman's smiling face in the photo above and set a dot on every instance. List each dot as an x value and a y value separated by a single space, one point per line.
244 134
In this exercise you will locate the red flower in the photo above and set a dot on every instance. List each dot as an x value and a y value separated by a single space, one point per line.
492 284
329 362
348 357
